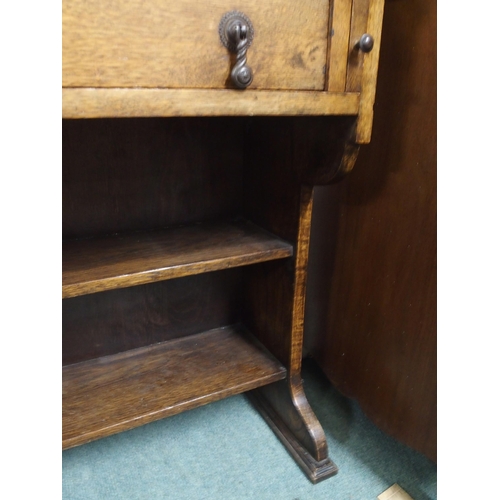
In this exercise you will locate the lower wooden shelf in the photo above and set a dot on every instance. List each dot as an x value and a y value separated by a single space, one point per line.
114 393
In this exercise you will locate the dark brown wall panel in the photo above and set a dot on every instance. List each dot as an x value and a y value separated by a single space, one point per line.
105 323
371 308
144 173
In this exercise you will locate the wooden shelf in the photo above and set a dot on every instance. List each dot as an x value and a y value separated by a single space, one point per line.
98 264
122 102
115 393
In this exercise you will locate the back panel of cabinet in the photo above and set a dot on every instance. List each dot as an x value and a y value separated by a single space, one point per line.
141 174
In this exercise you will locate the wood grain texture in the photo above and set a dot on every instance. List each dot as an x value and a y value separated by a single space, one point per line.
371 304
355 58
339 45
271 200
271 194
299 292
274 291
136 174
323 148
175 43
118 320
266 305
116 103
315 470
295 411
369 73
106 263
127 60
116 393
285 402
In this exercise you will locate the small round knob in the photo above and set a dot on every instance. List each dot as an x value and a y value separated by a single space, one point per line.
365 43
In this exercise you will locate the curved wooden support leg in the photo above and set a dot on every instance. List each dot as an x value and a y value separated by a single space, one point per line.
284 404
285 408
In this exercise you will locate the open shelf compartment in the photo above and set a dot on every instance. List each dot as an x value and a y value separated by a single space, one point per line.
114 393
119 261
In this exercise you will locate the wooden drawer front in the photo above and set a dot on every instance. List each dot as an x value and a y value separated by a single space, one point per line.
175 43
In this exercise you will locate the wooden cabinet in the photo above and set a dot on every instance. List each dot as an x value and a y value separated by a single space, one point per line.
187 204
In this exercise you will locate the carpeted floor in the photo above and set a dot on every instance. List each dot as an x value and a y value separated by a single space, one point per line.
225 450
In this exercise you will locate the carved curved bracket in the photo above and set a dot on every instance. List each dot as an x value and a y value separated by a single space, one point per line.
324 155
285 408
339 167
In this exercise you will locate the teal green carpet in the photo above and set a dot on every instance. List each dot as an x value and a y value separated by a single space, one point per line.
225 450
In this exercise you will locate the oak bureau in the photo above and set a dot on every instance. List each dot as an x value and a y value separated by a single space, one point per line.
194 133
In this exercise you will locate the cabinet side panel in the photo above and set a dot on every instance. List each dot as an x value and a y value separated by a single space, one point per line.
139 174
277 151
267 306
272 199
110 322
271 186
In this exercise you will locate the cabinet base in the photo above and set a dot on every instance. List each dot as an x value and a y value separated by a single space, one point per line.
315 470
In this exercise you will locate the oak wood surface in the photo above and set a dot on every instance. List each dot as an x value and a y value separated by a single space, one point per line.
137 177
284 403
323 148
175 44
273 292
282 153
315 470
271 200
338 45
369 73
115 393
140 174
362 69
116 103
355 57
110 322
288 400
299 288
98 264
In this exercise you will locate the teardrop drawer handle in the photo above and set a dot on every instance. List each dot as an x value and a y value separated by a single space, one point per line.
236 34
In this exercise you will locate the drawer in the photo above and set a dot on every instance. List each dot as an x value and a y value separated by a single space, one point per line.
176 43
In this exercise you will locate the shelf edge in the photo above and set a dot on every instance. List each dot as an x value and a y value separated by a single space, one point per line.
172 272
145 102
170 411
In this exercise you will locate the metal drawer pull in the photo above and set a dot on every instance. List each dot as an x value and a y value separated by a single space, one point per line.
365 43
236 34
